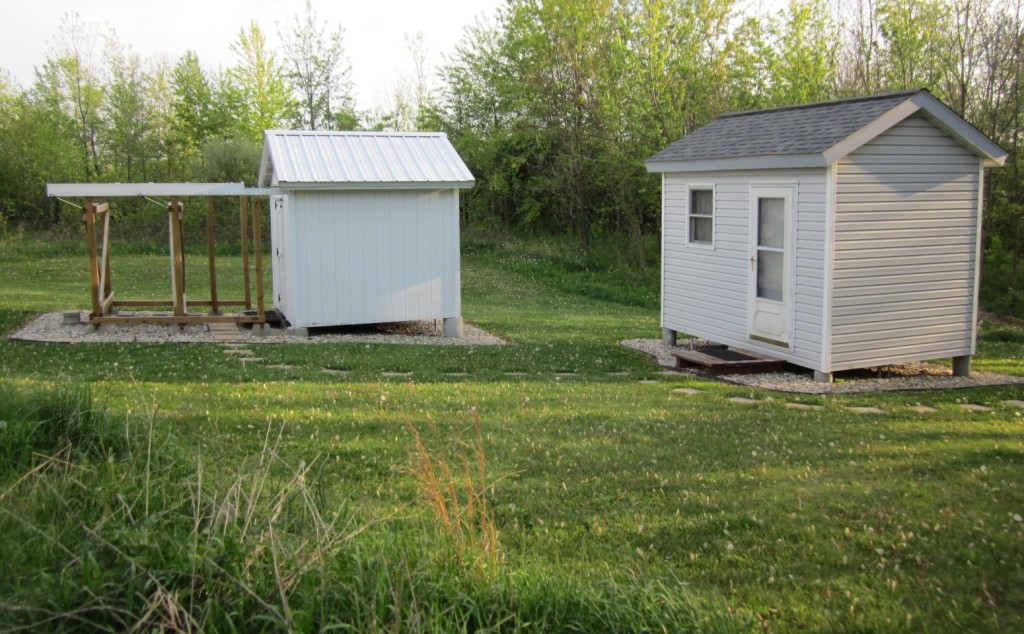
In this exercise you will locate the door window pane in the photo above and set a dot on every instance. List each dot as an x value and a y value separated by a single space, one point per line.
771 226
769 274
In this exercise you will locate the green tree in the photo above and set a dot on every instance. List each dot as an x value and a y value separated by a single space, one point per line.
126 116
196 117
258 79
318 70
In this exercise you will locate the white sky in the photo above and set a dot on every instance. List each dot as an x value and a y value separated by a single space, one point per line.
373 38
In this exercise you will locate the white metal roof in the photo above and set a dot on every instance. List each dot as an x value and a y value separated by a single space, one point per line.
361 160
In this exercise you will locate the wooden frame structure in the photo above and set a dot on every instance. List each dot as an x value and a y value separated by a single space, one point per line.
96 218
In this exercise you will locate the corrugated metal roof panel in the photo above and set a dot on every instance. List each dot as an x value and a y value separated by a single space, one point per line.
352 159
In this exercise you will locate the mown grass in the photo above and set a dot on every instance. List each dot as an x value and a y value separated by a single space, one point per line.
619 505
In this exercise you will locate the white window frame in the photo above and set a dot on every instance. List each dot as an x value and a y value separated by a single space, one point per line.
690 188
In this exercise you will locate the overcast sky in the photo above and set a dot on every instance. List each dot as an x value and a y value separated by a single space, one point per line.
374 30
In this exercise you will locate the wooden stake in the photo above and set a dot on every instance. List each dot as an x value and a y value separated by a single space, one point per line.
89 216
243 210
257 246
214 308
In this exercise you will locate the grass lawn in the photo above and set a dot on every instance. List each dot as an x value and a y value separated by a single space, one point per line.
618 504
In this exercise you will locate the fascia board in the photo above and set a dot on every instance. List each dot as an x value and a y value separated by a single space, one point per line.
870 131
954 125
376 185
791 161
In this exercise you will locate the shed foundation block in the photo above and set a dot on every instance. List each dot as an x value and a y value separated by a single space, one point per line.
298 332
453 327
668 337
72 317
822 377
962 366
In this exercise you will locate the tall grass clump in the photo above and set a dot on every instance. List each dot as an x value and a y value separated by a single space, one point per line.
455 490
41 422
147 540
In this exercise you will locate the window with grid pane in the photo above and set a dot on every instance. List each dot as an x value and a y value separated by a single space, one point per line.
702 214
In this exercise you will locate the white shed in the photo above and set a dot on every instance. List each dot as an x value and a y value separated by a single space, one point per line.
835 236
366 228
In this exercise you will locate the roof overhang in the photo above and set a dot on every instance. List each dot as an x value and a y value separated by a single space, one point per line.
935 111
774 161
111 190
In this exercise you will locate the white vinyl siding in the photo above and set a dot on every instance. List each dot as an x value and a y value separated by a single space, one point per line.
705 291
905 232
356 257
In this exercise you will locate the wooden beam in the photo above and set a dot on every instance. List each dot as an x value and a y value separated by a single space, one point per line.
156 303
243 210
214 308
89 216
108 302
180 320
257 247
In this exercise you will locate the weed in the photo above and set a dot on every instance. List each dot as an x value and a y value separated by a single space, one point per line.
456 494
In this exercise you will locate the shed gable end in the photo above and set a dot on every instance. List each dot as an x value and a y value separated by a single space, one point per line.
906 217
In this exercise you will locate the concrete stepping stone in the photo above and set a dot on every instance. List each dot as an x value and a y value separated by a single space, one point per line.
743 400
688 391
647 381
1017 404
392 374
974 407
239 351
456 373
923 409
618 374
280 366
871 409
514 373
245 360
805 407
564 374
333 371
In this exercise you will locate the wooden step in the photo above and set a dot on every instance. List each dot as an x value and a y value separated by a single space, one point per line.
719 361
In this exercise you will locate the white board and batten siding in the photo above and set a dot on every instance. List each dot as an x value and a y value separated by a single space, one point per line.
906 222
372 256
705 288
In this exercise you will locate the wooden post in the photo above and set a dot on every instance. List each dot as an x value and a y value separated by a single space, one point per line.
107 284
177 257
214 308
243 210
257 247
89 216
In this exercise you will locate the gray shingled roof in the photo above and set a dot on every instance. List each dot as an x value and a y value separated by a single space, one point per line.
808 129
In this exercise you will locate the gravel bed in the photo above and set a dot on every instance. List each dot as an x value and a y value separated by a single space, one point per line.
891 378
50 327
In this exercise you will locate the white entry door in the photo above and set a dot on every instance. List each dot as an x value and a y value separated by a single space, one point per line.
771 287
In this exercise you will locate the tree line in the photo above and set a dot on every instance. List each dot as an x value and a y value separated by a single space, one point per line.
553 104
